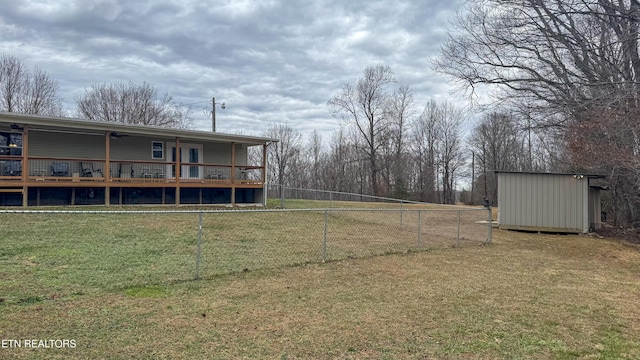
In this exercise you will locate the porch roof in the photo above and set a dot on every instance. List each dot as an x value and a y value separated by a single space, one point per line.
47 123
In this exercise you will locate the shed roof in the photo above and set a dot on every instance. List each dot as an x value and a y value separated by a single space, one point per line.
39 122
590 176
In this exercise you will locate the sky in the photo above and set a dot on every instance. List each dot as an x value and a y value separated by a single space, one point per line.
270 62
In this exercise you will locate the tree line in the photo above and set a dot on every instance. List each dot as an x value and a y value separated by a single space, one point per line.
35 92
390 146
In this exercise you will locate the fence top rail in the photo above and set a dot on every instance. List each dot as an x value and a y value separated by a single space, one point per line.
385 199
219 211
365 196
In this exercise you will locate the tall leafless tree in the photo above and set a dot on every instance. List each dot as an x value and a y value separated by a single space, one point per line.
497 145
426 133
449 146
129 103
400 111
340 169
575 63
284 154
314 153
364 104
27 92
557 54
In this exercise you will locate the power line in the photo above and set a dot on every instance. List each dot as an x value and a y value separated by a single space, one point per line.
199 102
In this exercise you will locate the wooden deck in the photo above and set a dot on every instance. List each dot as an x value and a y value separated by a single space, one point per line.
80 176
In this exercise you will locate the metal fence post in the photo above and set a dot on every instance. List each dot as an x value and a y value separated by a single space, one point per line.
199 245
490 221
324 240
458 239
281 196
419 230
330 199
401 211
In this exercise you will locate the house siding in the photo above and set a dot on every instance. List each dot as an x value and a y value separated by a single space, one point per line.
241 155
64 145
217 153
134 148
220 154
128 148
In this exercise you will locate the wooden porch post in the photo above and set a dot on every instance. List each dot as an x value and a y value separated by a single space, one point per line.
264 164
178 159
25 166
264 174
233 174
107 169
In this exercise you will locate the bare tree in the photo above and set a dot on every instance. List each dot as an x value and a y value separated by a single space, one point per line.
426 133
285 154
27 92
314 153
129 103
364 105
576 64
340 171
450 152
559 54
609 145
497 145
399 112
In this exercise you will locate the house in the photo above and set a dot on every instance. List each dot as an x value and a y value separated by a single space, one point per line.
567 203
62 161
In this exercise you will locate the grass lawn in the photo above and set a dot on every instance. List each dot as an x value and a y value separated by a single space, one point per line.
120 286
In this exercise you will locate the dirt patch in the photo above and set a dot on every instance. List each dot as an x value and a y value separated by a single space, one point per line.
627 233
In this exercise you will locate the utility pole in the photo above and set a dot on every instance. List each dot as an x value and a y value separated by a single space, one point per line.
213 112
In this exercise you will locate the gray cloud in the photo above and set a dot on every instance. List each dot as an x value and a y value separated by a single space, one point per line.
270 61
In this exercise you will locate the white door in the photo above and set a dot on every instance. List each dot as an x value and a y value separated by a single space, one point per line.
189 153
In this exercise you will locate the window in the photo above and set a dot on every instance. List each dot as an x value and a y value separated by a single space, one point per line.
10 144
157 150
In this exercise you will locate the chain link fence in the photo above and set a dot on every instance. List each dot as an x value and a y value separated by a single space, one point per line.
288 197
118 249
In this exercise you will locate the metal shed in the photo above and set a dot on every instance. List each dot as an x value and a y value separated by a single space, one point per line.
548 202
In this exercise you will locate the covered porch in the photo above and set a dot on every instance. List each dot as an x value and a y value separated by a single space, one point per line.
81 162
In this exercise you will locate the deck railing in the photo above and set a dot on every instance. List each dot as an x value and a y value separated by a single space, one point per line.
95 170
10 168
62 169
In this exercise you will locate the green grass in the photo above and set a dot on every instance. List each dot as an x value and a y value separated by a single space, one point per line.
122 286
145 291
